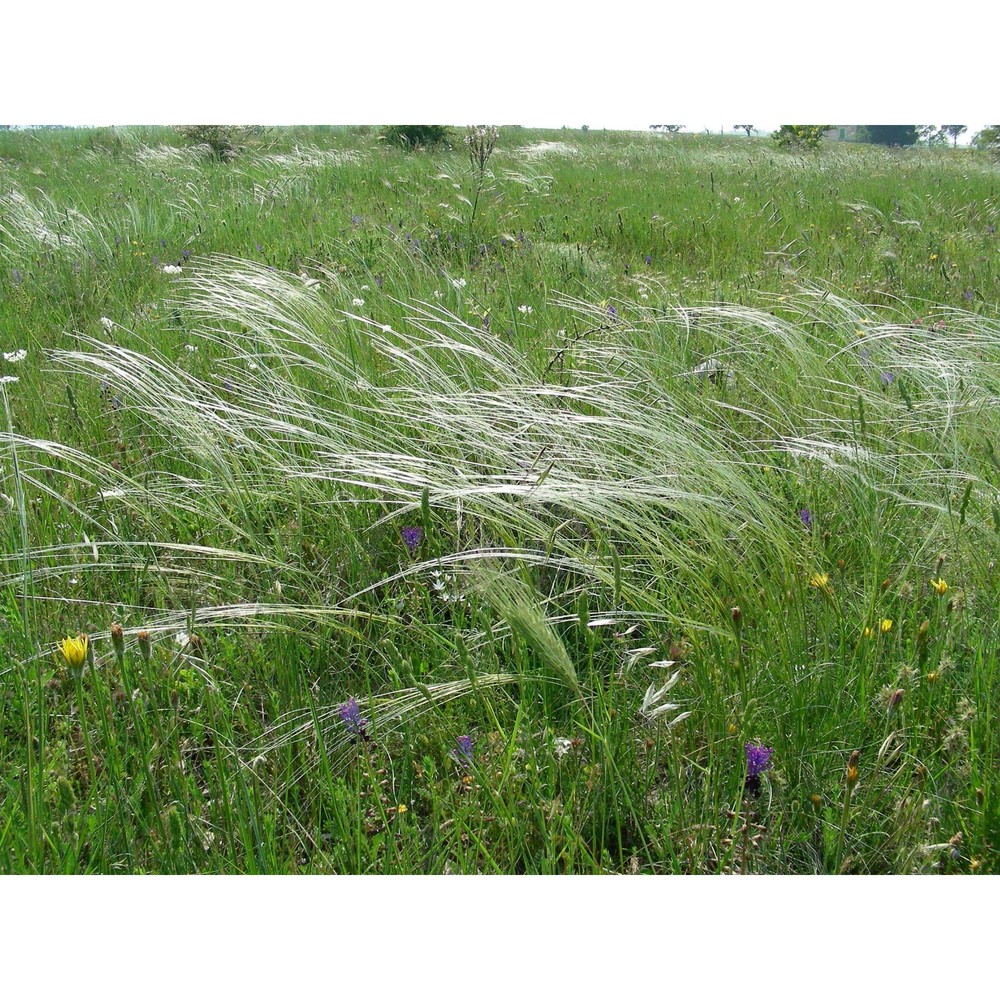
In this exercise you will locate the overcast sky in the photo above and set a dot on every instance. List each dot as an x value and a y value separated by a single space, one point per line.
527 62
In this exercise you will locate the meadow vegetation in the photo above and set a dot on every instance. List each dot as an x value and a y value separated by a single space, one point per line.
548 502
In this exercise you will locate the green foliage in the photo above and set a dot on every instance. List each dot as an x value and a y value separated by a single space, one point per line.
799 136
607 405
889 135
414 136
988 138
227 142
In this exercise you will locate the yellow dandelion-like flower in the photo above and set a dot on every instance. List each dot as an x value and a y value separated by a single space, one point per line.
820 580
868 633
74 651
885 625
934 256
940 587
401 808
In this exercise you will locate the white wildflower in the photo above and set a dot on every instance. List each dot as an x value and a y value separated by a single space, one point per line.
459 282
386 328
108 324
172 269
436 293
357 302
15 356
190 348
182 638
365 288
527 310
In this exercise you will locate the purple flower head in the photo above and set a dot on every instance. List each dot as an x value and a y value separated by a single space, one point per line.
355 220
16 275
462 754
758 759
612 311
805 516
412 536
350 715
968 295
118 241
887 377
649 260
185 254
260 248
163 243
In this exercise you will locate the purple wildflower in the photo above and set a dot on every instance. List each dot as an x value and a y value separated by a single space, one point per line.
968 295
350 715
758 758
260 248
412 536
805 516
355 220
185 254
118 241
16 275
649 260
612 311
462 754
758 761
887 378
163 243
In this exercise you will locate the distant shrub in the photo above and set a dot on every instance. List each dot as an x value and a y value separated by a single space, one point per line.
412 136
800 136
226 142
988 138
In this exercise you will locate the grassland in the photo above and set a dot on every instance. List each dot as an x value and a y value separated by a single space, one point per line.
578 475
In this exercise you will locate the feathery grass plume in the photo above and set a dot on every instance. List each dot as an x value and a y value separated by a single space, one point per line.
520 608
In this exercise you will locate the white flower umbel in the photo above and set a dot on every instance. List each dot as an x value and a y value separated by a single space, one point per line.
172 269
108 324
15 356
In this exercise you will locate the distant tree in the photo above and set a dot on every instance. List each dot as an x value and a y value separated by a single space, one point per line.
800 136
666 128
890 135
747 128
989 138
412 136
954 131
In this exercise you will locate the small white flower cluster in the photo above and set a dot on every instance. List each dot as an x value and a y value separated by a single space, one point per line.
458 282
108 324
527 310
357 302
172 269
444 586
15 356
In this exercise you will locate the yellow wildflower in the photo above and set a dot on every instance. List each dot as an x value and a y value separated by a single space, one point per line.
821 580
885 625
934 256
401 808
74 651
868 633
939 586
